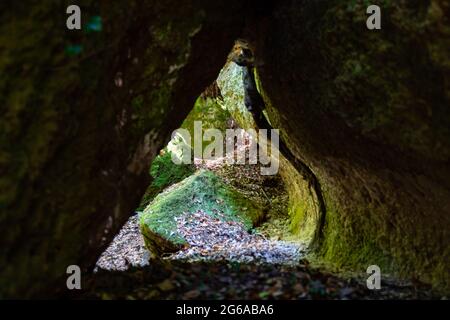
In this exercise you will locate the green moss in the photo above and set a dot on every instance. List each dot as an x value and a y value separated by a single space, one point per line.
302 209
164 173
346 247
201 191
212 115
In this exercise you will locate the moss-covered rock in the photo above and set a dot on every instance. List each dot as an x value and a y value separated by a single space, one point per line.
201 191
164 173
211 112
232 89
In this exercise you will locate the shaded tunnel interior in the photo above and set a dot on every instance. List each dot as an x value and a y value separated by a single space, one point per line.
363 119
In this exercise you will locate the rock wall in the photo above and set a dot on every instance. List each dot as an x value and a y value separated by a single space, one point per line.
83 113
367 111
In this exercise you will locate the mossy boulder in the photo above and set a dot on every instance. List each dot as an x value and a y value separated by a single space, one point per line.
201 191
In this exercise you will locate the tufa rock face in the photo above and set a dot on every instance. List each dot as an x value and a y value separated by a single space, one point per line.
83 114
368 113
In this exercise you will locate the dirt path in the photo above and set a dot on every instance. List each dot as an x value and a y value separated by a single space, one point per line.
220 280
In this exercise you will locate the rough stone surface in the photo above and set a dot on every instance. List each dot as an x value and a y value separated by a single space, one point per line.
368 113
83 113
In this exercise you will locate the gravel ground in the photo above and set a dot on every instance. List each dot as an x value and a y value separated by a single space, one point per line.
213 239
126 250
226 280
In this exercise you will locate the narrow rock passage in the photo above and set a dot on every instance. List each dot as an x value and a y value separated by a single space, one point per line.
222 259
